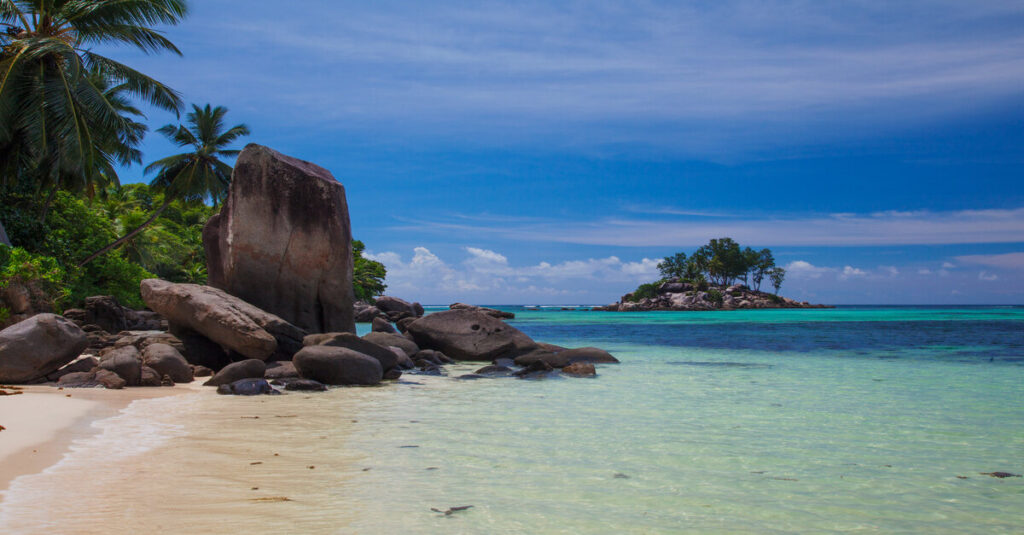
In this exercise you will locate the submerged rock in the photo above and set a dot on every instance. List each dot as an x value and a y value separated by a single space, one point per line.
247 387
580 369
283 241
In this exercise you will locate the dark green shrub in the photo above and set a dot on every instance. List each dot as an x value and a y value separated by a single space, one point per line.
715 297
645 291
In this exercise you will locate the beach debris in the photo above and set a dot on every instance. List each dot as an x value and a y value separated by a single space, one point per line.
1000 475
410 446
620 475
431 468
255 463
784 478
14 393
311 467
759 472
255 488
271 499
2 428
962 477
451 510
367 469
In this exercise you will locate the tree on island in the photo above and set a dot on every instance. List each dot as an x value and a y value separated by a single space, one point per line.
191 176
722 262
367 275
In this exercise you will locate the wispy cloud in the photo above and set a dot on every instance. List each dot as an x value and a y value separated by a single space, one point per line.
1000 261
667 73
841 230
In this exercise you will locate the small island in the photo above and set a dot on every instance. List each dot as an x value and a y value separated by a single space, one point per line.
717 276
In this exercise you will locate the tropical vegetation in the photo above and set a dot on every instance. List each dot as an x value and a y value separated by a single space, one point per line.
69 121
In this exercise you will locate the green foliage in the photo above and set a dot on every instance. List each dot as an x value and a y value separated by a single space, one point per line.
367 275
673 266
775 299
42 273
716 297
645 291
777 275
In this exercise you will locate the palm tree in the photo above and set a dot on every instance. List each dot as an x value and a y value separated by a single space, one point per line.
57 118
191 176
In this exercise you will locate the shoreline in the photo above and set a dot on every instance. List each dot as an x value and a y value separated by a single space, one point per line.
43 423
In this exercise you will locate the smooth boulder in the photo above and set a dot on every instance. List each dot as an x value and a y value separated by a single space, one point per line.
126 362
38 346
236 371
396 308
381 325
247 387
167 361
466 334
396 340
333 365
283 241
388 359
225 319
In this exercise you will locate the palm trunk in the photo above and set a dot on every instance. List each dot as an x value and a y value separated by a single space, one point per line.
4 240
46 205
117 243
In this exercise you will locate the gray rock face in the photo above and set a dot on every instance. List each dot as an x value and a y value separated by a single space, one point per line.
365 312
396 340
225 319
105 311
283 369
38 346
126 362
566 357
381 325
397 309
337 366
469 335
385 356
167 361
283 242
84 364
236 371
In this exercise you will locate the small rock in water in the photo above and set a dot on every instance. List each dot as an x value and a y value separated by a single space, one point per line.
1000 475
451 509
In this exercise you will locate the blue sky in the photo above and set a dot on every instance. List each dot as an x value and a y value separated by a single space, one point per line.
540 152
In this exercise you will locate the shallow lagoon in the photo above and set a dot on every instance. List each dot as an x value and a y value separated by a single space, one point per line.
852 419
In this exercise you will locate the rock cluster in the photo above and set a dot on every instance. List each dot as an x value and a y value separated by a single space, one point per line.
678 295
386 308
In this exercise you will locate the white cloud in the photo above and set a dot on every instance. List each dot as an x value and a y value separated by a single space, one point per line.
924 271
486 273
893 271
986 276
999 261
849 272
803 269
948 265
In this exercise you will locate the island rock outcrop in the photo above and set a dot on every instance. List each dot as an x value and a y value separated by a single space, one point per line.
283 241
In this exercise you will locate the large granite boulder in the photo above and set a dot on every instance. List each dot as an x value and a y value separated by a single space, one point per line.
38 346
283 242
566 357
225 319
105 311
337 366
466 334
364 312
387 358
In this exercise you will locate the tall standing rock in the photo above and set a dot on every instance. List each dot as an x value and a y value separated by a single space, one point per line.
283 242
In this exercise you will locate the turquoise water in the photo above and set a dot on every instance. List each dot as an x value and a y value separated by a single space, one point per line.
854 419
786 421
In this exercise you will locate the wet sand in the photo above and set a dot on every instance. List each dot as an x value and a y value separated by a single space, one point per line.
42 422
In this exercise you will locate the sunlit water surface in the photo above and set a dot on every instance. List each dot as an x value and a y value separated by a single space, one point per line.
856 419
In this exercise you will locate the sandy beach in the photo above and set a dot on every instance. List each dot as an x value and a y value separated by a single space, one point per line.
41 423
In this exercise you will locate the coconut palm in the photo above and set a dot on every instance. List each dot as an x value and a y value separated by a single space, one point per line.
57 117
191 176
